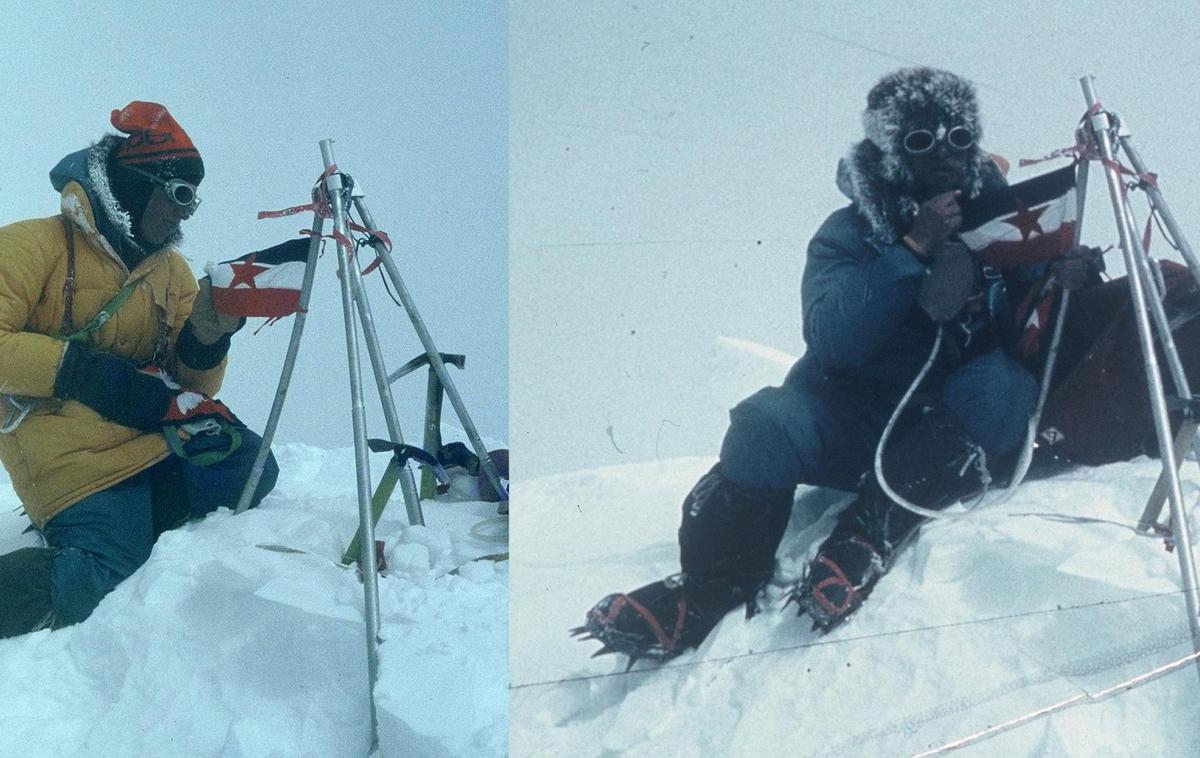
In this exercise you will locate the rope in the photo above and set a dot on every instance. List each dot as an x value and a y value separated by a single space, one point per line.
1026 459
1083 697
492 529
844 641
887 432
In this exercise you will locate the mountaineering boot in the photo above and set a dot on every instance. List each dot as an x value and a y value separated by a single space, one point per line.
25 591
662 619
933 464
727 543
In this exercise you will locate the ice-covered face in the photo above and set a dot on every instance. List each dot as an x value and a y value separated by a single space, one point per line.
159 225
939 157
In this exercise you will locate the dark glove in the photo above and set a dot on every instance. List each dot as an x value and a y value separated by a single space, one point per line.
112 387
201 429
936 220
949 283
1080 268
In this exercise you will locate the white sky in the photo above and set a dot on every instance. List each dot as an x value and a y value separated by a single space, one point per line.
670 162
415 96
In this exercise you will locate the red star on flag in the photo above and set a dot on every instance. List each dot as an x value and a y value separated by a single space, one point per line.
244 273
1026 220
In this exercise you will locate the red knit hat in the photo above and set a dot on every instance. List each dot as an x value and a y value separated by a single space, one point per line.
156 142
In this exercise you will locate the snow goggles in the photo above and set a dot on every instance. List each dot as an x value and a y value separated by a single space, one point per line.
180 192
920 141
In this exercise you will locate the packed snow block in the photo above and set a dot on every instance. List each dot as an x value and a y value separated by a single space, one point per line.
219 647
396 738
444 652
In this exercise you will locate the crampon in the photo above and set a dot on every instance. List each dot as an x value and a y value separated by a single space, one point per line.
837 581
657 622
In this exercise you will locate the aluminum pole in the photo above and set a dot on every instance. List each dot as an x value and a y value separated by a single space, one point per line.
1187 431
289 365
1164 210
408 487
1161 323
1021 470
362 462
435 357
1099 123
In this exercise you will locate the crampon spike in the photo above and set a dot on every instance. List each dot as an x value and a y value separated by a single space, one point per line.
632 660
606 650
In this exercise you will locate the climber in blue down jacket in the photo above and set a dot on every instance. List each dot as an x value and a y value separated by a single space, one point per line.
882 276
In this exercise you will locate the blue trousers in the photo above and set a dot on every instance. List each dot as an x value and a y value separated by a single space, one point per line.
810 431
105 537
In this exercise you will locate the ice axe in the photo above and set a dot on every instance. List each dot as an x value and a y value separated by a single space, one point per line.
401 455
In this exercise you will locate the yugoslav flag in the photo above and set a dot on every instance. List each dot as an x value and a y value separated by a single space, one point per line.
262 283
1026 223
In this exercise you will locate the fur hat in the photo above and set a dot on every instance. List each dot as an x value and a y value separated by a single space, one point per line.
877 175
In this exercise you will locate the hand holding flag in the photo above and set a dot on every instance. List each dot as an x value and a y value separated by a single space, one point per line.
263 283
208 324
936 219
1026 223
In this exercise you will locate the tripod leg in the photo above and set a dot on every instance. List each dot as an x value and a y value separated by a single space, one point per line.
289 365
361 459
1166 340
408 487
1183 440
435 359
1099 123
433 431
1164 210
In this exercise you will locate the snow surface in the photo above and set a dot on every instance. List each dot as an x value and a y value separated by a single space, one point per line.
218 647
981 621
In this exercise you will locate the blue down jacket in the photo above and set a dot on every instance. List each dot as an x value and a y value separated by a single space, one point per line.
867 340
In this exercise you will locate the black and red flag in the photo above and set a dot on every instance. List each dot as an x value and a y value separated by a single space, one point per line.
1025 224
262 283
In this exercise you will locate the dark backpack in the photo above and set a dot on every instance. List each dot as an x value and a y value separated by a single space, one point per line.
1098 410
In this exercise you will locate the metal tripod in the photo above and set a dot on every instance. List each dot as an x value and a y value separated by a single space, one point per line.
337 193
1151 315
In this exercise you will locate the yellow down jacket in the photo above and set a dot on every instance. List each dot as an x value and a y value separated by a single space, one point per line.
65 451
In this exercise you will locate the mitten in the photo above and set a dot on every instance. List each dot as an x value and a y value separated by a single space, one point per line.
208 324
949 283
113 387
200 429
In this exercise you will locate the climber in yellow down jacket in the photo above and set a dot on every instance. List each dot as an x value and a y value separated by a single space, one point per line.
108 349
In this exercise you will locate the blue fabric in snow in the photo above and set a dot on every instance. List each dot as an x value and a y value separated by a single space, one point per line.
104 538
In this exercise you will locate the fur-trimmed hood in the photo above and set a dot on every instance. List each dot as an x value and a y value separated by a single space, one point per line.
108 221
876 174
889 207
